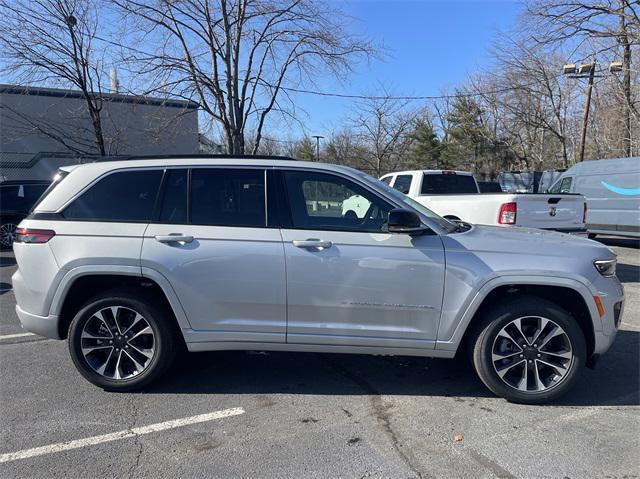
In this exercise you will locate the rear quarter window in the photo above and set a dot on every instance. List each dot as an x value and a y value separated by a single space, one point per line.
120 196
403 183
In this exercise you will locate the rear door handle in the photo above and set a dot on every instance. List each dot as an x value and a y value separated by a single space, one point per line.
174 238
312 243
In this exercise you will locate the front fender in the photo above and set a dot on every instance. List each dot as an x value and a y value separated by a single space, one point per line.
450 335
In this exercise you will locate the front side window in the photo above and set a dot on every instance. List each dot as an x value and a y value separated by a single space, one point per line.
403 183
120 196
328 202
565 185
386 179
228 197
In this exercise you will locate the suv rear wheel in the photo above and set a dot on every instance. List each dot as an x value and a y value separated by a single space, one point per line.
121 342
529 350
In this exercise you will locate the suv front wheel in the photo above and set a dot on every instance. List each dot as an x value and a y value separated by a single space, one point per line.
120 342
529 350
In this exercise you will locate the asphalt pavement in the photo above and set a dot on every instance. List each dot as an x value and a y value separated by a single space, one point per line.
257 414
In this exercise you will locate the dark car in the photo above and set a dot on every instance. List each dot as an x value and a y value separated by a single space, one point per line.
16 199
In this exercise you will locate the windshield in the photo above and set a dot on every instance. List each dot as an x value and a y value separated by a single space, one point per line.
409 202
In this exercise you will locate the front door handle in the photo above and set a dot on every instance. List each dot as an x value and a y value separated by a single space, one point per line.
312 243
174 238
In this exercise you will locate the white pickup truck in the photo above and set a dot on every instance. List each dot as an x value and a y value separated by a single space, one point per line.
455 195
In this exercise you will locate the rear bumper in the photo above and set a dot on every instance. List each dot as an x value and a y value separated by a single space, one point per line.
46 326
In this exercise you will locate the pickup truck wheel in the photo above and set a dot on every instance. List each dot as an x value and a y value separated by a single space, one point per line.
120 342
529 351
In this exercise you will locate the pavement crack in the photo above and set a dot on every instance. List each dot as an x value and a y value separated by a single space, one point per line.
136 440
381 413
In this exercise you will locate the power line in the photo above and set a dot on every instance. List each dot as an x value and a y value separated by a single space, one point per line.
358 96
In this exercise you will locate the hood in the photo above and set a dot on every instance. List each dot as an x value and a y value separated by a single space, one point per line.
530 241
527 250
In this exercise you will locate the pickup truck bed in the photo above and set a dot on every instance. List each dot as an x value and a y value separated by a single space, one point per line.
561 212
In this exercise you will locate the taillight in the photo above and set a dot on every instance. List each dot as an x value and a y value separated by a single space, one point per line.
507 214
28 235
584 213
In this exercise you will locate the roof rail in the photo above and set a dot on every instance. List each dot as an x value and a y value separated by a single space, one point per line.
195 155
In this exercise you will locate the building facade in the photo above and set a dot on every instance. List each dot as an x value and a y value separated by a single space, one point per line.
42 129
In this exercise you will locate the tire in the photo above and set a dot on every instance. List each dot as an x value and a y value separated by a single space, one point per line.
8 228
512 371
592 236
129 364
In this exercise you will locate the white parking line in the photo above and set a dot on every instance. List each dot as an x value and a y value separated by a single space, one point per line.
13 336
115 436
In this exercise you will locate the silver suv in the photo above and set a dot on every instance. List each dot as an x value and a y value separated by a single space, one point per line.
132 260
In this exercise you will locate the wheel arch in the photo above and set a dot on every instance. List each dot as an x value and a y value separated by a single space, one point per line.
571 295
78 286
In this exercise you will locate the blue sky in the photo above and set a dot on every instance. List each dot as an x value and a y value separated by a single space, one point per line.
430 45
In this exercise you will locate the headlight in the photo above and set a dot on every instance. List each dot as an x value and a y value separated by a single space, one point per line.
606 267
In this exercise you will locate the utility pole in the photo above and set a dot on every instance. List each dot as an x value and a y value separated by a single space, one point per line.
317 137
587 107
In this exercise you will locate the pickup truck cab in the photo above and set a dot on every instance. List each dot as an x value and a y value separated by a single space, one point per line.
133 260
455 195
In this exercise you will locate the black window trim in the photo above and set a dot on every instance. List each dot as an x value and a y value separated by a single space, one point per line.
283 170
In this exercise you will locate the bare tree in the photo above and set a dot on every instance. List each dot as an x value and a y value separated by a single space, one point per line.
53 41
527 102
603 26
237 57
383 128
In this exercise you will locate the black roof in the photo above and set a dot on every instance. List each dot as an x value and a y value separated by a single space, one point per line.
197 155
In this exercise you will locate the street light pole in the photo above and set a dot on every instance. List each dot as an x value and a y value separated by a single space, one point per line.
587 107
317 137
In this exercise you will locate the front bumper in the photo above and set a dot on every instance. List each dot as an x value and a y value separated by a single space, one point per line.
46 326
611 294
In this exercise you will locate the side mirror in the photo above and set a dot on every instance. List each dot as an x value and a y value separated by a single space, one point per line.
404 221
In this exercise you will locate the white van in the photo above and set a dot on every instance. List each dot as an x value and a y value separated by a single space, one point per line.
612 189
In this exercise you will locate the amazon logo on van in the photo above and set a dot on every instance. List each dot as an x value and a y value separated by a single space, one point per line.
621 191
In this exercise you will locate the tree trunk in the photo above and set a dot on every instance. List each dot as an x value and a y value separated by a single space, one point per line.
97 129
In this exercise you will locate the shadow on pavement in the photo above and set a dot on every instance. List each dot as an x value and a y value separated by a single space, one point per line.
628 273
621 242
7 261
5 288
615 382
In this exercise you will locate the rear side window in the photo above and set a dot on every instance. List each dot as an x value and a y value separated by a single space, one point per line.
228 197
121 196
403 183
447 184
387 179
174 202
